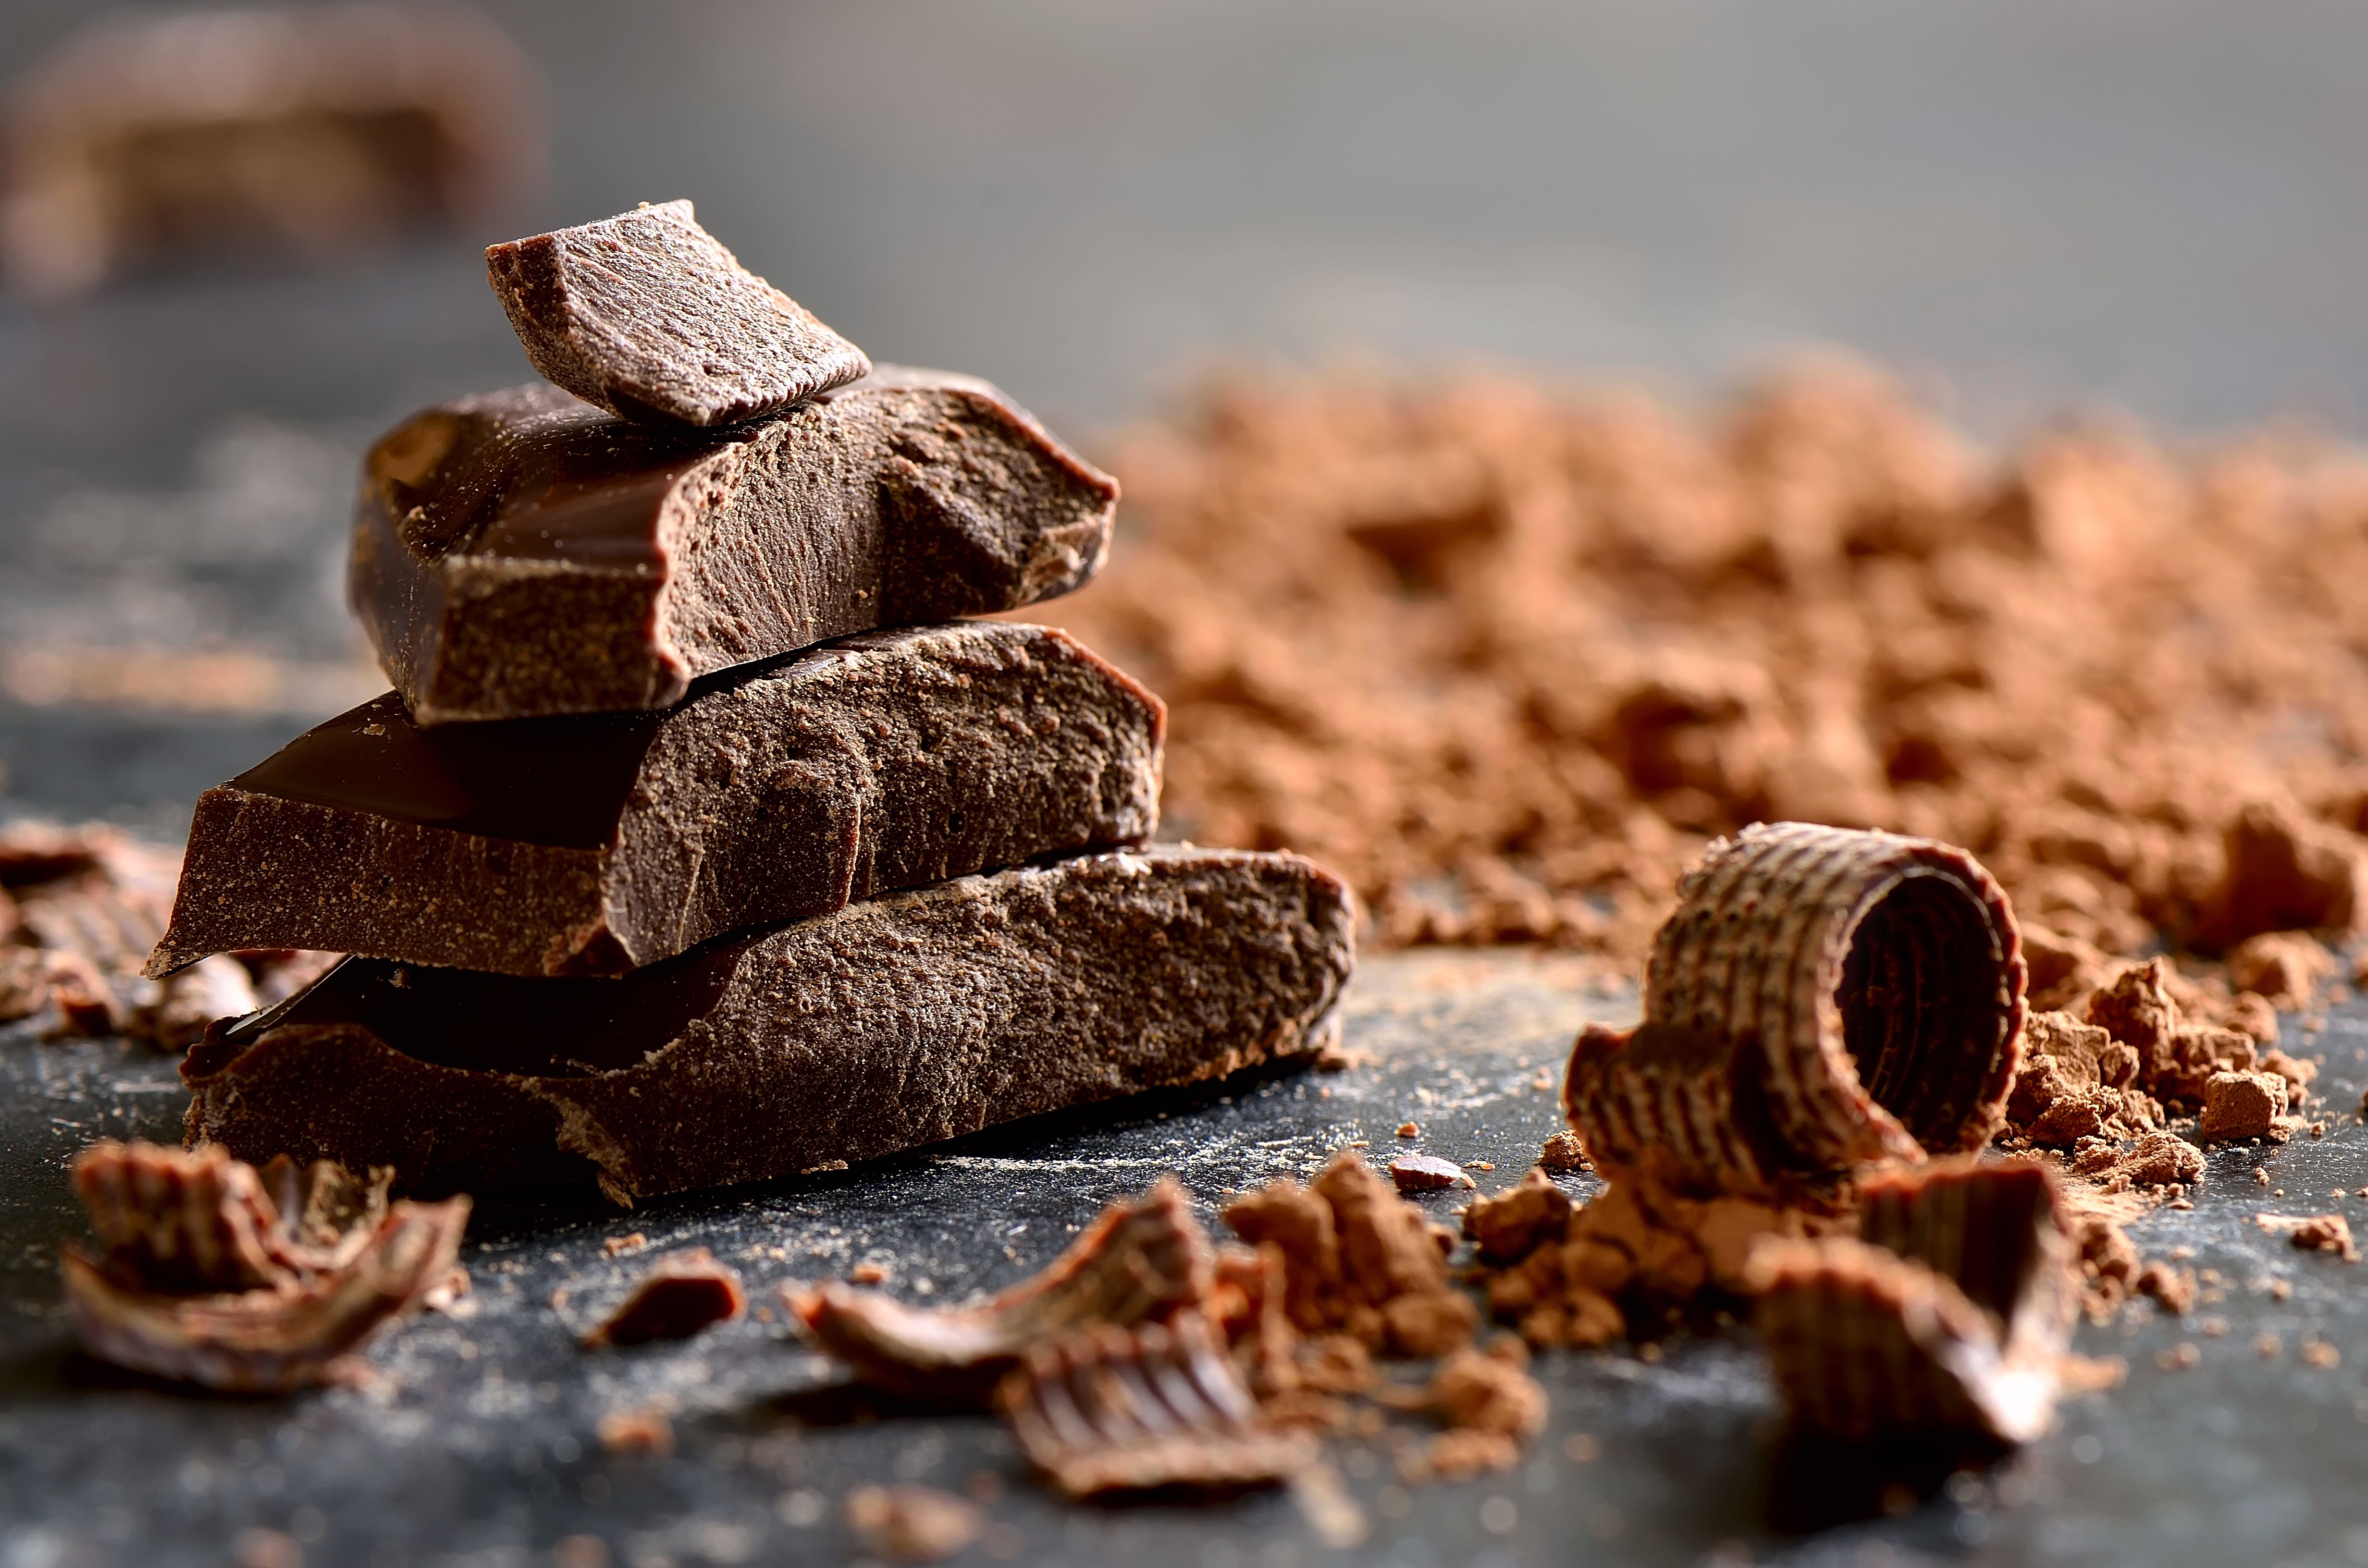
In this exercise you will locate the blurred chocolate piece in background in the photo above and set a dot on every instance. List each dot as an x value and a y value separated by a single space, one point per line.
259 133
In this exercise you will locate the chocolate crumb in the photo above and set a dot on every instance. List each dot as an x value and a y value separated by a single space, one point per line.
2322 1354
1426 1173
617 1247
682 1294
644 1430
1563 1153
867 1274
1409 1130
2183 1357
2171 1289
913 1524
2314 1233
2268 1345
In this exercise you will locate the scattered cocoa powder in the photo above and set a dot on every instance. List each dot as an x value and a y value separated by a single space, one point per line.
1506 652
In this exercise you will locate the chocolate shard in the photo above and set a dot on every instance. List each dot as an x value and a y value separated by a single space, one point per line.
207 1279
1139 1259
521 553
1821 998
647 315
1951 1313
594 844
683 1293
1146 1408
889 1023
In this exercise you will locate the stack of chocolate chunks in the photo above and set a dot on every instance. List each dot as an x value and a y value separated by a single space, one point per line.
702 839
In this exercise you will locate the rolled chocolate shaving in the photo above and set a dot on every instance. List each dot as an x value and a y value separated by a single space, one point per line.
1951 1314
1821 999
523 554
594 844
1139 1259
889 1023
1146 1408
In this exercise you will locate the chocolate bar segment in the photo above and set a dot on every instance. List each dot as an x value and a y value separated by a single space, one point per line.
589 844
648 315
521 553
888 1023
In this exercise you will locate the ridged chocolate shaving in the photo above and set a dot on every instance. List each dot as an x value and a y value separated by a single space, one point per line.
206 1279
1821 999
1138 1260
1143 1409
1951 1313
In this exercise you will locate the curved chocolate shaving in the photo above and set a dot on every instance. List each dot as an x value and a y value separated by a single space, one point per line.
1821 999
1138 1409
207 1280
683 1293
1137 1260
1951 1314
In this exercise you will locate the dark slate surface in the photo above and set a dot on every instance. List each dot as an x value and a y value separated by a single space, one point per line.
477 1447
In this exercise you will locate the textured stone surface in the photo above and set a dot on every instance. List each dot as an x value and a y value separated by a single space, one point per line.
482 1445
519 553
649 316
902 1021
591 844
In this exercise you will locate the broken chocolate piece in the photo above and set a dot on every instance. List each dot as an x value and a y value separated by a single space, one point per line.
647 315
301 131
592 844
1426 1173
1951 1314
1821 998
1146 1408
889 1023
1138 1260
207 1279
683 1293
521 553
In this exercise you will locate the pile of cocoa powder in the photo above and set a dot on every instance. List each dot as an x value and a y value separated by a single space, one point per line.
1507 653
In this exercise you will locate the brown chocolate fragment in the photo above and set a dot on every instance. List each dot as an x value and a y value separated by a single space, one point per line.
648 316
1821 998
2314 1233
594 844
644 1430
1562 1152
521 553
2242 1105
889 1023
307 132
912 1524
1507 1226
1139 1260
2284 969
1426 1173
683 1294
1146 1408
1953 1312
207 1277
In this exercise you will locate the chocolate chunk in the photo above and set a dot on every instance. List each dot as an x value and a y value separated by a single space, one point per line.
884 1025
520 554
683 1293
595 843
1426 1173
647 315
1141 1258
298 131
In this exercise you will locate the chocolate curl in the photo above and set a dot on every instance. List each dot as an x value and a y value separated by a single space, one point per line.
1821 999
1951 1313
1138 1260
1140 1409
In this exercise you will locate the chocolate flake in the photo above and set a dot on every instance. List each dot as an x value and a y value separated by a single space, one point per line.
1951 1313
207 1278
894 1022
594 844
1426 1173
682 1294
520 554
1144 1408
912 1524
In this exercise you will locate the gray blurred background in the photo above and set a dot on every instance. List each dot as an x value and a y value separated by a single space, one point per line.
2020 206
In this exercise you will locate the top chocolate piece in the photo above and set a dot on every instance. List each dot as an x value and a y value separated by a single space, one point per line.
648 316
520 554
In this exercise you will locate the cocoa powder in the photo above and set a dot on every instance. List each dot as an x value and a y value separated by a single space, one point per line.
1508 652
